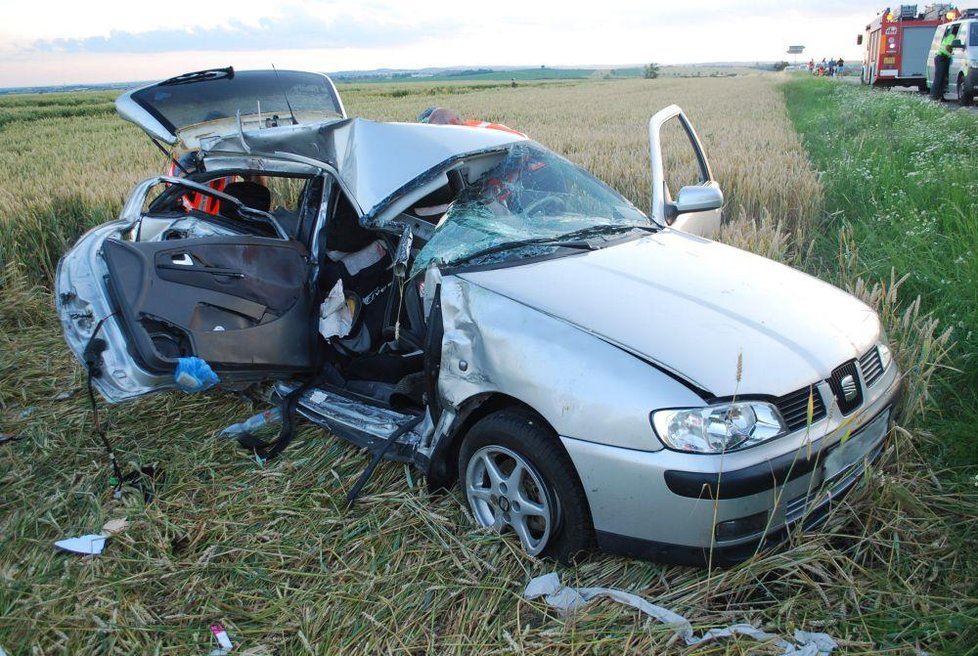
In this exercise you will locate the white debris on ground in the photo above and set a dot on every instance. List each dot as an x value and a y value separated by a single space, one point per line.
87 545
225 646
92 544
568 600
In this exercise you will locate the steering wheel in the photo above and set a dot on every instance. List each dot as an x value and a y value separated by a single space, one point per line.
557 202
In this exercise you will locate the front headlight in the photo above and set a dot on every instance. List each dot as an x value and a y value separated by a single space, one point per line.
718 428
973 63
886 355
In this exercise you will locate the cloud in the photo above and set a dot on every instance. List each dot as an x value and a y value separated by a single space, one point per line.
297 30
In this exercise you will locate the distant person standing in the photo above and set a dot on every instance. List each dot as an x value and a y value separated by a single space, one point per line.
840 67
942 62
811 66
831 68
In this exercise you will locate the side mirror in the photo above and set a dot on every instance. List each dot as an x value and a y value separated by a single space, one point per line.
957 44
859 40
402 257
698 198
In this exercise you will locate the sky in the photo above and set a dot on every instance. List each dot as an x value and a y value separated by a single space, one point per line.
54 42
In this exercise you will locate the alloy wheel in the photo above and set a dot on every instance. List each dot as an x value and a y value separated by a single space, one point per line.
505 491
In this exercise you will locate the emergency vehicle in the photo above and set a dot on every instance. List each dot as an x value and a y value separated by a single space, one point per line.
897 43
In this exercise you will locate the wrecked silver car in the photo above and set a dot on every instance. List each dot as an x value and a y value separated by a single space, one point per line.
465 300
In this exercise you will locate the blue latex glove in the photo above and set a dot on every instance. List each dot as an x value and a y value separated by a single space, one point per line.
194 375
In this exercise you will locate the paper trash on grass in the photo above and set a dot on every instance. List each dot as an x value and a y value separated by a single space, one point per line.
114 526
92 545
88 545
567 600
224 642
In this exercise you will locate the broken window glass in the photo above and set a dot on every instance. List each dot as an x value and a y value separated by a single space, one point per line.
531 195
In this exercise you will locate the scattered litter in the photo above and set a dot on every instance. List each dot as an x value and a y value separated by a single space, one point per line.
88 545
2 652
26 412
567 600
10 437
194 375
92 545
64 396
267 418
222 639
114 526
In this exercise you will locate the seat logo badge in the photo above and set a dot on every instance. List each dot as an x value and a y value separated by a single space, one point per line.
849 388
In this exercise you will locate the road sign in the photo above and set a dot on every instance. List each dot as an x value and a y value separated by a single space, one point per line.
796 50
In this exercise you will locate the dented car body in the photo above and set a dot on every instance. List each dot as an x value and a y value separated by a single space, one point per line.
587 373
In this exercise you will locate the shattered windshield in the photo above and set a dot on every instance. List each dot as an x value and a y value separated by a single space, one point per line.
530 204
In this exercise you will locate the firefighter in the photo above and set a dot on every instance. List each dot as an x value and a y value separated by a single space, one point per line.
942 62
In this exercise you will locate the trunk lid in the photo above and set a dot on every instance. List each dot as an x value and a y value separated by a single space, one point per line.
185 109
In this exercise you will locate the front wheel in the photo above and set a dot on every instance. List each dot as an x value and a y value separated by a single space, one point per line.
965 97
517 477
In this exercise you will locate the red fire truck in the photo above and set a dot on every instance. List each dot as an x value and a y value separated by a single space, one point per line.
897 43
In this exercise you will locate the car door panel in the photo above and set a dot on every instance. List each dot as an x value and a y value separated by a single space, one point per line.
240 303
704 223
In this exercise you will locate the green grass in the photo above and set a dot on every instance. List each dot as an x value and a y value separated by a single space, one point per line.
900 181
902 174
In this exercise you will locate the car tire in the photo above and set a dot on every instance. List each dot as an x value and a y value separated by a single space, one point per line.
546 507
965 97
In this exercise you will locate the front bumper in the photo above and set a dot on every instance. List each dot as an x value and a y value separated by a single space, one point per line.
666 505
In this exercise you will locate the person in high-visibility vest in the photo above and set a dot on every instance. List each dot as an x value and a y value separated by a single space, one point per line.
942 63
444 116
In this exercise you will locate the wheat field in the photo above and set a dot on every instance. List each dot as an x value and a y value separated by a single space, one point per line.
272 553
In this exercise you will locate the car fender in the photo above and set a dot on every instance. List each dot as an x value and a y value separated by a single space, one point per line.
583 386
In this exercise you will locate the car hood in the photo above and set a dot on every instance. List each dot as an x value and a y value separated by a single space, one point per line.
727 321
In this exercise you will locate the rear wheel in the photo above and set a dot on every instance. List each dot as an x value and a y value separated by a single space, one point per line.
516 476
965 96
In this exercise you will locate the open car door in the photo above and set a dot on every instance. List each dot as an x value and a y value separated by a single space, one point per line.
679 165
240 303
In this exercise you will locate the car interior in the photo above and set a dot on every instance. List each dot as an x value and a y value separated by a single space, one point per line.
225 286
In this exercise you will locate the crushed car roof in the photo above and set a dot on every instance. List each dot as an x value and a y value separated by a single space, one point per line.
374 160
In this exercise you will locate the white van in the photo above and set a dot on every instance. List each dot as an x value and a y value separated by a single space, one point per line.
962 78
